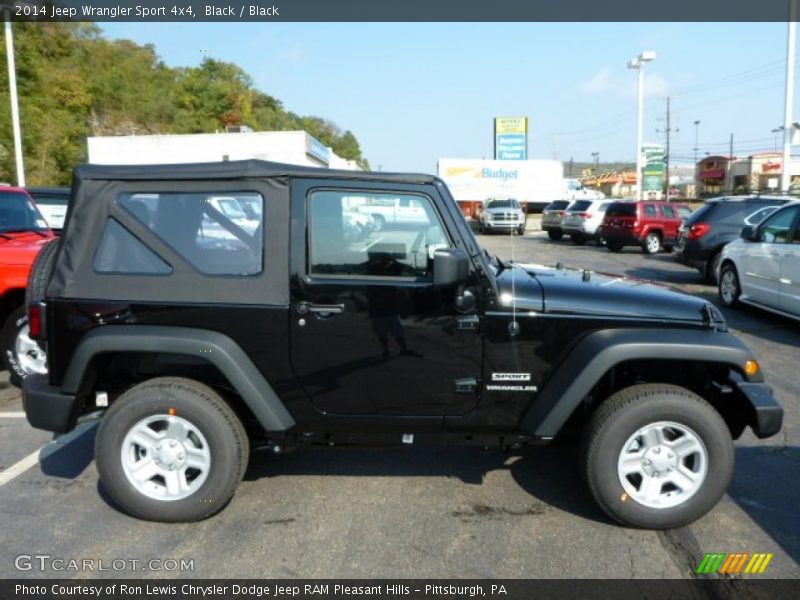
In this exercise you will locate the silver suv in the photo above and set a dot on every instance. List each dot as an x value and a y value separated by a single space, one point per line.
582 220
502 215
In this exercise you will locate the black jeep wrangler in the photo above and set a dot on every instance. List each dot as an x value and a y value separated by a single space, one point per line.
206 309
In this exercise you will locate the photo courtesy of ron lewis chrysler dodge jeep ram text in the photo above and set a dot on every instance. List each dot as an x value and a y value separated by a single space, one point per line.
196 338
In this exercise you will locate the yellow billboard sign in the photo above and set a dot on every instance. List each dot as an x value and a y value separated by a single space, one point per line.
510 125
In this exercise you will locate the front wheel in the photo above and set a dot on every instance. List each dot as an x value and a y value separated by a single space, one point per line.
555 235
171 450
729 288
652 243
22 356
657 456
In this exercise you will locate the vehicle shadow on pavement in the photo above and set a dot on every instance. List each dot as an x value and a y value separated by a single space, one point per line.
548 474
70 461
766 486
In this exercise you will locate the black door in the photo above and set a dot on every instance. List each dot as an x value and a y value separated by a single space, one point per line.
370 334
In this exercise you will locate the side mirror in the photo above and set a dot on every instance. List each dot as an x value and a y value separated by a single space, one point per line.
450 267
749 233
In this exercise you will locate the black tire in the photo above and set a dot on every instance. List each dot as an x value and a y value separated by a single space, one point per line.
578 240
624 414
205 410
728 287
40 272
521 230
651 243
555 235
14 327
614 246
712 267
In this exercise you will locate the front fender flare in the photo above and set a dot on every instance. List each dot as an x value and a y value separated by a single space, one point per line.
215 347
597 352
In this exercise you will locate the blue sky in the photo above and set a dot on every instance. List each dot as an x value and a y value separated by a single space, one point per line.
416 92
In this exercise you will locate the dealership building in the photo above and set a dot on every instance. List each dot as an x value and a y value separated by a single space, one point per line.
755 173
239 143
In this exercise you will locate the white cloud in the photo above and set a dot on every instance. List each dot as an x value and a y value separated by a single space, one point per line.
598 83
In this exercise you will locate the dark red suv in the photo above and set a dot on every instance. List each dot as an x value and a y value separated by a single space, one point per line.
651 225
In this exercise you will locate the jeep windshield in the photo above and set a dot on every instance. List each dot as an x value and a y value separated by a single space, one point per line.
18 214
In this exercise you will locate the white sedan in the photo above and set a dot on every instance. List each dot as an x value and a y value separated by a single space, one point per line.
762 268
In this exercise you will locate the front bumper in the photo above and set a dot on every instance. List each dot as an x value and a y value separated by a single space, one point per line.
503 224
46 407
763 413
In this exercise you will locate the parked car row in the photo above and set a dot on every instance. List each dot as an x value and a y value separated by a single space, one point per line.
616 222
706 232
749 246
762 267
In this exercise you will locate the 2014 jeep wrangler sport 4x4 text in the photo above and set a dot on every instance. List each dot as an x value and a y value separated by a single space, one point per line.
200 336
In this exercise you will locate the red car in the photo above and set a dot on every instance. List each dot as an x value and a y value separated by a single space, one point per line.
23 232
651 225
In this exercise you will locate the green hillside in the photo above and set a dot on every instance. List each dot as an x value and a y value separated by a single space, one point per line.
74 83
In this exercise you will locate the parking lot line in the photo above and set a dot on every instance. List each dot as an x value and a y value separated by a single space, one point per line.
19 467
12 415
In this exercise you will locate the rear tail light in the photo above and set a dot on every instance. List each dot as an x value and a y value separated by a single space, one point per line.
698 230
35 320
585 215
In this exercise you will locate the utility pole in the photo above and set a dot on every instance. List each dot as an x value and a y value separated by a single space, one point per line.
667 131
570 168
730 168
12 88
696 147
596 157
786 176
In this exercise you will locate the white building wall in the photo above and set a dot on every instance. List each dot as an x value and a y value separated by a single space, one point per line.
279 146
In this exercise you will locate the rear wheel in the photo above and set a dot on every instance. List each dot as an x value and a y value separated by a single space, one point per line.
657 456
578 240
555 235
729 288
171 449
614 246
22 356
652 243
712 268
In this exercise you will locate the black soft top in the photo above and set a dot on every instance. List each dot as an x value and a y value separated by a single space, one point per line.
235 170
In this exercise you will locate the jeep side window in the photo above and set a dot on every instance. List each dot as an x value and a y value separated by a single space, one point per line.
212 232
347 237
667 212
775 229
649 210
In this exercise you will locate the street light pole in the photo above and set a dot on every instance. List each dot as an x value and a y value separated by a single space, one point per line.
696 137
638 64
12 89
786 176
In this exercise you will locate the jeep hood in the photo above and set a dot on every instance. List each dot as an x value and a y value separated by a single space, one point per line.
570 291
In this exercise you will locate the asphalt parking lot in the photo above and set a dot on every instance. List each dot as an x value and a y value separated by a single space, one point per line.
413 511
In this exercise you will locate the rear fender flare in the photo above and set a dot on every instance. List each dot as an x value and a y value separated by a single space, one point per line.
215 347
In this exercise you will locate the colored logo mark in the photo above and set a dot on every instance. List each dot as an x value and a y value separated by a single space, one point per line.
734 563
